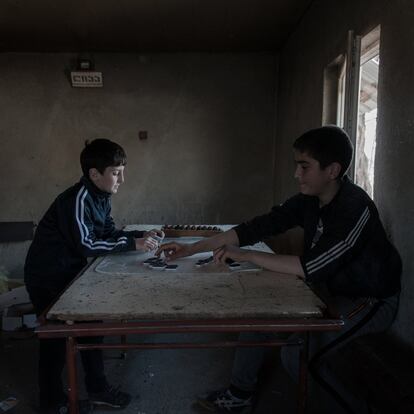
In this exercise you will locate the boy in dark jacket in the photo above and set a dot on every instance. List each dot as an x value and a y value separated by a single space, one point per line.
347 258
78 225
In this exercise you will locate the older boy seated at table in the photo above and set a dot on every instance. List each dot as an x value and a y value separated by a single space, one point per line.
347 258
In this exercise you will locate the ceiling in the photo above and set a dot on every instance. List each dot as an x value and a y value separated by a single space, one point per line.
148 25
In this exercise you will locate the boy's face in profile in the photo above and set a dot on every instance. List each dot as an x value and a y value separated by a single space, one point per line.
110 180
312 179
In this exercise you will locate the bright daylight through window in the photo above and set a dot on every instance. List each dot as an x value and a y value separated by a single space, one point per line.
367 112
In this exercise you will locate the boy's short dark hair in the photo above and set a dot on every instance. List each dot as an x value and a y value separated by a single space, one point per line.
100 154
327 144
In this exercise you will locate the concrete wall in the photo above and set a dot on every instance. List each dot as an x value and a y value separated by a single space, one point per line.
209 153
319 39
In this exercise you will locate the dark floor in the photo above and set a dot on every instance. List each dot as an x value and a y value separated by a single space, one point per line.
160 381
168 381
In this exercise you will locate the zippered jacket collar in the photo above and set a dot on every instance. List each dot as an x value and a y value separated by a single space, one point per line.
93 189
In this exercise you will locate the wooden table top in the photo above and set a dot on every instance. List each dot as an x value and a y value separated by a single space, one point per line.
120 287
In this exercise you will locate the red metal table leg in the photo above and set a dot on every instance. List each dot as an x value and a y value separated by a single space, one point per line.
72 377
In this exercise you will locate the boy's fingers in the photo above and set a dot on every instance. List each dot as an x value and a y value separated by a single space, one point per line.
223 257
148 247
170 254
159 233
151 243
159 251
218 254
215 251
169 247
166 248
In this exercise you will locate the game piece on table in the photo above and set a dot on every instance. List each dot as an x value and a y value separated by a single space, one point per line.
151 260
172 267
189 230
158 265
234 266
203 262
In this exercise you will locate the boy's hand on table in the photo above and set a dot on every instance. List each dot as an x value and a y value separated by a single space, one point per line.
174 250
150 241
230 252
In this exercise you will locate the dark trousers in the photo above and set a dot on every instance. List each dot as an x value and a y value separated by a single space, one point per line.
52 356
375 317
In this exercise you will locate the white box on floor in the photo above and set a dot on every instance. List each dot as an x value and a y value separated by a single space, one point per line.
18 316
9 322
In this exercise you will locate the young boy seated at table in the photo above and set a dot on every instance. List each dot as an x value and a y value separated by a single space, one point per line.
347 258
79 225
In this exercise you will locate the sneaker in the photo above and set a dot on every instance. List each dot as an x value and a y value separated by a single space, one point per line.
224 401
85 407
110 397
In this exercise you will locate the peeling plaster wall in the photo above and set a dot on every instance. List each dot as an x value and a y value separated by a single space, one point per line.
318 40
209 153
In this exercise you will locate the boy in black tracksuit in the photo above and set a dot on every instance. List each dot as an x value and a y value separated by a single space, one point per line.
78 225
347 258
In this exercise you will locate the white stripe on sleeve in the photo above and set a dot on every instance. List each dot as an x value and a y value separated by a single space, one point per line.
86 239
340 248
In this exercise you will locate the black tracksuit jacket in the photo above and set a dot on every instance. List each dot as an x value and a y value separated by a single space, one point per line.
77 225
350 254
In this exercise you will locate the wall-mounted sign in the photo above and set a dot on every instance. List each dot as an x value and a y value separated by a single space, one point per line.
86 79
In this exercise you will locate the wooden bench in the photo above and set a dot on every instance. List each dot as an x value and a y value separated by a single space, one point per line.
15 231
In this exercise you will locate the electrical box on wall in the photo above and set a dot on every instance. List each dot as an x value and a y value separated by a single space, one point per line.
143 135
86 79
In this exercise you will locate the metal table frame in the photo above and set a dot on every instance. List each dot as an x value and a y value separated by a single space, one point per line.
122 328
73 330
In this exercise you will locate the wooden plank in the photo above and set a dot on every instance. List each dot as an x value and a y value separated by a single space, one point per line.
212 291
120 287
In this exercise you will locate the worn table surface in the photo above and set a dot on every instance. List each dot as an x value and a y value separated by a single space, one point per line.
120 287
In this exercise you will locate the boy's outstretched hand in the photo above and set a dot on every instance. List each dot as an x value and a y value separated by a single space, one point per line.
230 252
174 250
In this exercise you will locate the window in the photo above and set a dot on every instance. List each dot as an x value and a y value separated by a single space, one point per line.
367 112
334 92
350 101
